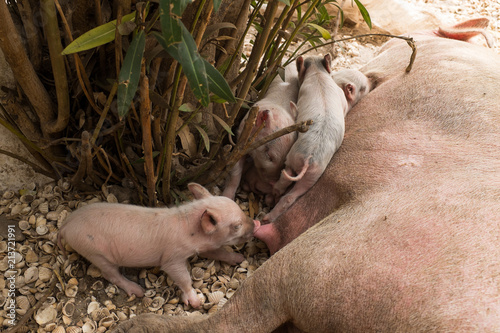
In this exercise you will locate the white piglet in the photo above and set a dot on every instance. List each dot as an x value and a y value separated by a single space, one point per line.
114 235
267 161
323 101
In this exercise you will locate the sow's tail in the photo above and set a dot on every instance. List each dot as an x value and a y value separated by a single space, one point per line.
301 174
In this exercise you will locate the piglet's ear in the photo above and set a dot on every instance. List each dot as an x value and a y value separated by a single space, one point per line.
198 191
208 222
349 91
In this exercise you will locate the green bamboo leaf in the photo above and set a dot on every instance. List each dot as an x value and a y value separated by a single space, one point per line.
217 83
222 123
129 76
324 33
364 13
96 37
204 136
192 63
217 5
286 2
170 23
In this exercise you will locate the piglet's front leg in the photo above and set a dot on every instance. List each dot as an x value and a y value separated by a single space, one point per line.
231 258
179 273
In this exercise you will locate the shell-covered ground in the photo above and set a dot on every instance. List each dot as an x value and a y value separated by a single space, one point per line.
57 294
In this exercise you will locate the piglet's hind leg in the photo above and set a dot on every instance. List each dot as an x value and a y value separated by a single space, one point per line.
111 273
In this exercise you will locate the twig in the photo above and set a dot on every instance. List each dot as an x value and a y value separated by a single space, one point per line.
301 127
52 34
227 163
104 113
409 40
25 75
147 144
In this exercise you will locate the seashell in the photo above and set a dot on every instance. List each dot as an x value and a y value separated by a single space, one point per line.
111 198
52 216
44 274
50 327
107 321
213 309
157 303
74 329
67 320
48 247
222 302
147 301
109 305
23 304
62 217
59 329
148 284
111 290
73 281
65 186
27 198
71 290
219 286
233 283
47 189
40 221
15 210
159 282
89 327
93 271
42 230
8 194
150 293
98 285
121 316
31 275
230 293
99 314
24 225
25 290
44 208
197 273
4 264
197 284
215 297
20 280
69 308
3 246
45 315
31 256
93 306
54 203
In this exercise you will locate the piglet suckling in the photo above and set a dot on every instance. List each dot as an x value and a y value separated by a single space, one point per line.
354 84
323 101
263 165
113 235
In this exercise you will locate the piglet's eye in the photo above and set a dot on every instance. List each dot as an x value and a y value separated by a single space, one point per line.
237 227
